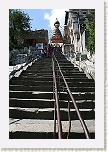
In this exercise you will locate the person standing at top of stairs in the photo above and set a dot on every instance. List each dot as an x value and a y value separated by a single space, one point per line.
49 50
45 50
41 53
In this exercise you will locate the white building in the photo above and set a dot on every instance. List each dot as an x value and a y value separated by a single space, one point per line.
74 32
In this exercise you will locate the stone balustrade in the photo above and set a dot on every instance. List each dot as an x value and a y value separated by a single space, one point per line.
22 55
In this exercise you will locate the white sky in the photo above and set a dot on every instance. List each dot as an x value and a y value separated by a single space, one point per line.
51 17
56 13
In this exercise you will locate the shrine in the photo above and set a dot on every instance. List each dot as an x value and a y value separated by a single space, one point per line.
56 34
35 37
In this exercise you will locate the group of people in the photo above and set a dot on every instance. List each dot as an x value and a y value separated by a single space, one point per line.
47 51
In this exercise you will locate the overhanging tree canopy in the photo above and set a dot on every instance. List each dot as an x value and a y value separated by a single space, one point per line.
19 26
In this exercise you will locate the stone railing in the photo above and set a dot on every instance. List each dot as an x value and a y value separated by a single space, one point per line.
22 56
15 71
88 66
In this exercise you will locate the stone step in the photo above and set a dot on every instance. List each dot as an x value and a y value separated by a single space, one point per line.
70 75
45 60
43 129
31 82
50 70
80 74
49 88
79 84
37 70
72 71
77 80
42 77
74 75
22 78
31 88
40 66
78 96
48 114
34 71
37 95
30 95
49 78
80 89
61 58
45 135
65 67
69 66
48 104
37 74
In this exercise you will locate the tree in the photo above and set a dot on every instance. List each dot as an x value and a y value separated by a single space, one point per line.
19 26
90 26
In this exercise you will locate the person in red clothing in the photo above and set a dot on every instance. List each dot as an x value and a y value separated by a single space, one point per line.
48 50
51 49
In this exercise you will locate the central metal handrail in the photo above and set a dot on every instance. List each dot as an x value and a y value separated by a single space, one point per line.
57 104
74 103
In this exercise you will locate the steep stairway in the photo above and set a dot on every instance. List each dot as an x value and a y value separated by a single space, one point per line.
32 104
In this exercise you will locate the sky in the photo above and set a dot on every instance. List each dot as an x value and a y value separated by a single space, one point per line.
45 18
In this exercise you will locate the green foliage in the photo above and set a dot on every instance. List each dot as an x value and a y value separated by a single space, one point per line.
19 26
90 26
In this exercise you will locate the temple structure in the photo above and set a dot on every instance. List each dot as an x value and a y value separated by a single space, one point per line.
34 37
56 33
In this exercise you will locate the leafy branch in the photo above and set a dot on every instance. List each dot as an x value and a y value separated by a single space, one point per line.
19 26
90 26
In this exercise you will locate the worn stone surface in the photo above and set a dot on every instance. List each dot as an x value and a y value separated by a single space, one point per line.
29 125
31 111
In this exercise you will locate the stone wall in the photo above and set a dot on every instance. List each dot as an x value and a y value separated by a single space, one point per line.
22 56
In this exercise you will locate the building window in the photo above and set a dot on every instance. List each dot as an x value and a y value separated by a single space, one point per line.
84 12
75 12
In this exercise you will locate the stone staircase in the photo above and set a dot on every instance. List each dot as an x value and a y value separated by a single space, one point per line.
31 101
